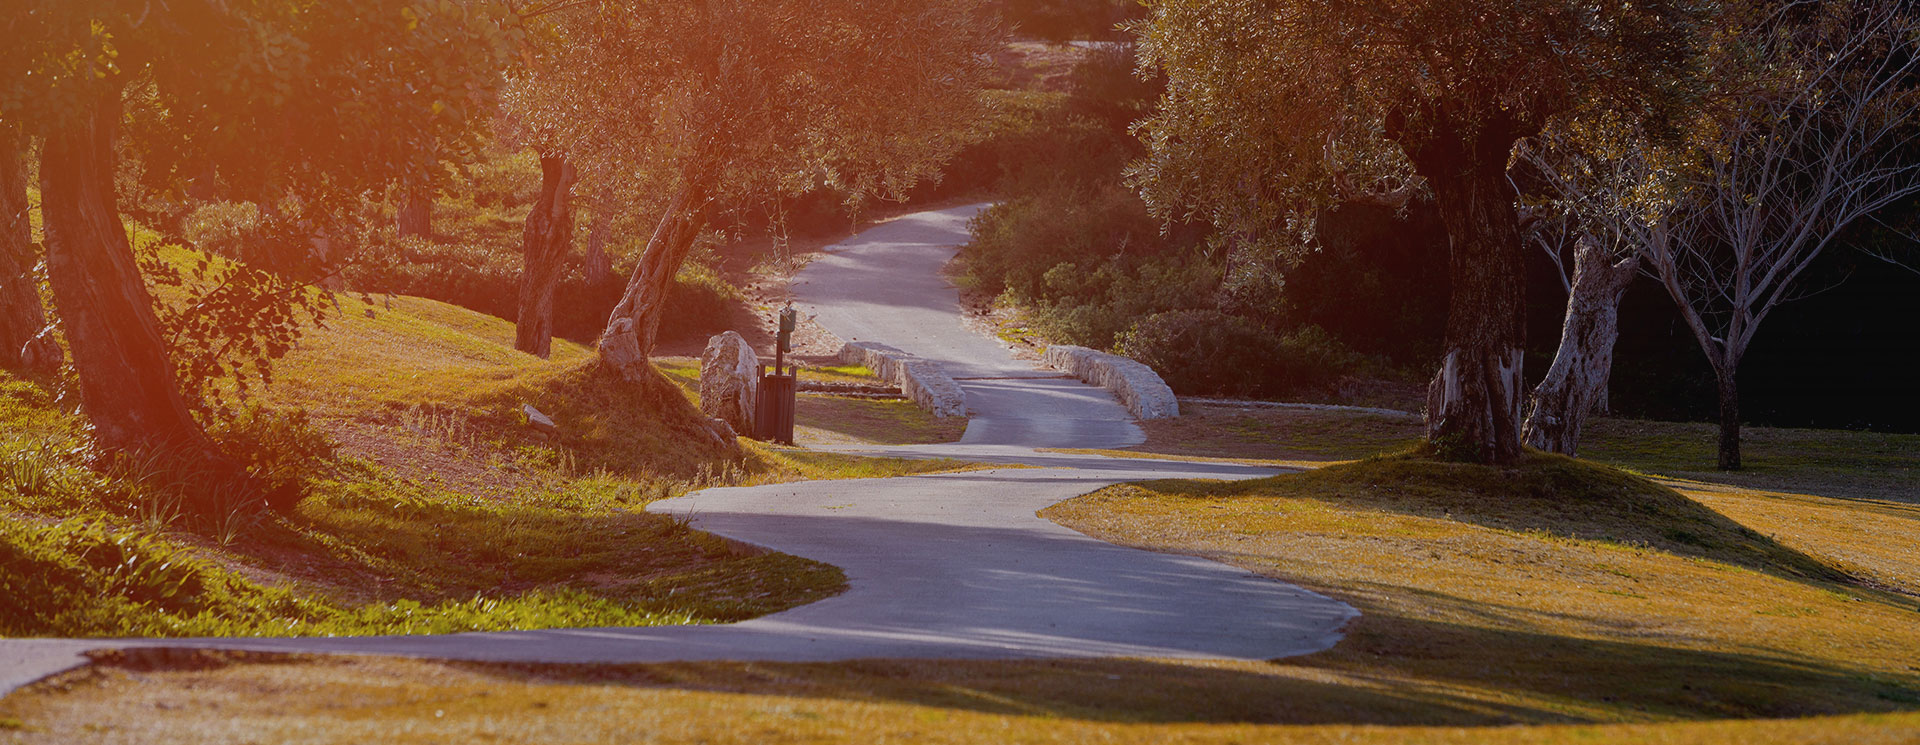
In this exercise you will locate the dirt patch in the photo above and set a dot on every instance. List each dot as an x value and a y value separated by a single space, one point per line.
436 450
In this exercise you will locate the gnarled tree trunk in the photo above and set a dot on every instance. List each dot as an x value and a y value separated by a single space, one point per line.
415 219
1576 384
633 327
544 244
597 266
127 383
25 341
1473 403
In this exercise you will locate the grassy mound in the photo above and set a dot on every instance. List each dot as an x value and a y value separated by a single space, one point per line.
1552 591
431 506
1553 495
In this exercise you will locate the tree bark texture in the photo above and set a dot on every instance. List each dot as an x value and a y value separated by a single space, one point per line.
544 245
1473 402
25 341
415 219
1576 384
597 266
1729 420
633 327
127 383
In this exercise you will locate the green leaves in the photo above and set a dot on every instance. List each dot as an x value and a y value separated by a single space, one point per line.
755 97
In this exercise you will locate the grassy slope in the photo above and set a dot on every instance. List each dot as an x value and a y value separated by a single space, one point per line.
1556 591
442 512
1581 601
1834 463
1847 498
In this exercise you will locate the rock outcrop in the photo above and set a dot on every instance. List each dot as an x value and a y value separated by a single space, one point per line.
729 380
921 379
1137 386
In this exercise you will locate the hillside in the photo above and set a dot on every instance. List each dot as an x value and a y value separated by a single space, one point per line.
431 506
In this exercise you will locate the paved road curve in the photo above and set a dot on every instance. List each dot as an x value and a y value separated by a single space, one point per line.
885 285
939 566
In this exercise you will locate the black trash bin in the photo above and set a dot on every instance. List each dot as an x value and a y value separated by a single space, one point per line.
773 409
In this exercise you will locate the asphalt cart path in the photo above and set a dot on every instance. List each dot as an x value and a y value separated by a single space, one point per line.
951 565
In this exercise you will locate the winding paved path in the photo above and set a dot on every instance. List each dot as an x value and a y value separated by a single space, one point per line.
939 566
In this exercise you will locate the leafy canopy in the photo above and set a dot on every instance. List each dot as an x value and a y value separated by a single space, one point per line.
747 98
1274 108
300 106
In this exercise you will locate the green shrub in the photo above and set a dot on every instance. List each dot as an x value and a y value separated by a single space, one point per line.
505 180
281 451
220 228
1207 352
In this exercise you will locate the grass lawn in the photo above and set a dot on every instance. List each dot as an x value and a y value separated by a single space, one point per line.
1580 603
1556 601
438 509
1830 463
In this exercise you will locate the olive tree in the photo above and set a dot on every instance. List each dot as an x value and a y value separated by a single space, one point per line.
680 107
1273 106
291 102
1814 125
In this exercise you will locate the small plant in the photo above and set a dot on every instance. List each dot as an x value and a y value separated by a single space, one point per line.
157 510
281 452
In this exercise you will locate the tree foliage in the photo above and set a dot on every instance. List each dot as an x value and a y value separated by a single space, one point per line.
289 104
1814 124
1275 109
681 107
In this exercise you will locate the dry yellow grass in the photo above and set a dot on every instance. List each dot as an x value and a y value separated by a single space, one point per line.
402 701
1582 603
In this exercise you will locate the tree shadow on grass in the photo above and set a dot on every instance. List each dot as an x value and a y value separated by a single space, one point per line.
1396 672
1549 494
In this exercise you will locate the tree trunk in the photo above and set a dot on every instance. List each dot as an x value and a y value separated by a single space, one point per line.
1576 385
25 342
598 267
416 214
633 327
127 383
1729 419
544 244
1473 403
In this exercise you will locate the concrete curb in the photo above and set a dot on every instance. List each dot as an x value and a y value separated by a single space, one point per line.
920 379
1137 386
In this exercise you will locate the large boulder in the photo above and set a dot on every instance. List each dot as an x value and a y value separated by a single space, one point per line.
729 380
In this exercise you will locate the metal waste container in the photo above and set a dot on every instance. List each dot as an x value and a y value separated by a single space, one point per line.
773 404
773 409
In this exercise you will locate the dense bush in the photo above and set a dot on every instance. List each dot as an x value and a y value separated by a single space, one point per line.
504 180
220 228
1207 352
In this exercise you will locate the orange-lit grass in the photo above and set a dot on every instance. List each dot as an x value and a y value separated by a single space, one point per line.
443 497
400 701
1580 602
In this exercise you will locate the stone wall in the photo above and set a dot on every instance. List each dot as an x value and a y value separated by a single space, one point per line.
920 379
1137 386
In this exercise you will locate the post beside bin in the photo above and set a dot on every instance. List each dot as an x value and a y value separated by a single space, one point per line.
773 409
